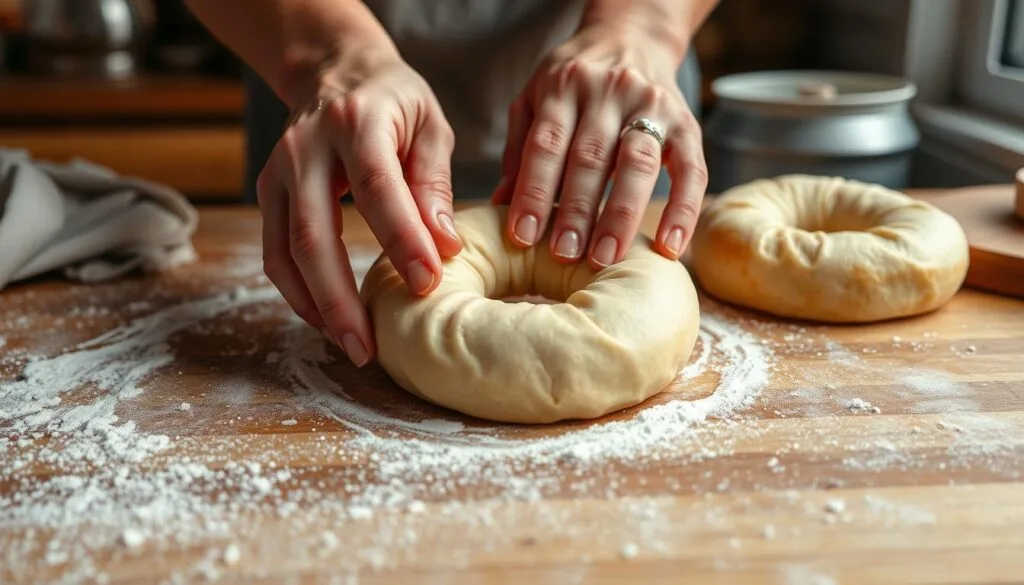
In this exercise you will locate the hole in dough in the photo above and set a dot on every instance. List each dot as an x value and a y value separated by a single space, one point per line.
529 298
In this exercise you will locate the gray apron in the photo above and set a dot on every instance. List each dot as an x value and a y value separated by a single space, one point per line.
477 56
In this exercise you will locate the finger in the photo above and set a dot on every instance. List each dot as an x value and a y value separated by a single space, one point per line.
636 172
520 117
277 260
430 181
316 246
541 169
369 150
689 175
590 161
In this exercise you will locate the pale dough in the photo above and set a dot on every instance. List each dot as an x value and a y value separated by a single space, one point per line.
828 249
615 338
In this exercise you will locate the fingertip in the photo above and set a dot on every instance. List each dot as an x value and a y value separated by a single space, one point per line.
420 278
672 242
605 252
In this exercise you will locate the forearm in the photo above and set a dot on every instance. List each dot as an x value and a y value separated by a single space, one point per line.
288 41
672 22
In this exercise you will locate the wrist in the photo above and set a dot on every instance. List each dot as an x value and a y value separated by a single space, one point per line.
652 25
665 54
348 42
337 69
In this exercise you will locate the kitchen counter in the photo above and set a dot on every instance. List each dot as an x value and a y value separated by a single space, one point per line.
185 428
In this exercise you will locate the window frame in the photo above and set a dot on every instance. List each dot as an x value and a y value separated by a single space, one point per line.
1014 49
983 80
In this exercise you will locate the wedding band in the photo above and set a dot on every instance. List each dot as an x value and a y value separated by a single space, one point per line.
647 126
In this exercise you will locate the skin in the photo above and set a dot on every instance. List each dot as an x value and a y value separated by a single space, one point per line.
366 123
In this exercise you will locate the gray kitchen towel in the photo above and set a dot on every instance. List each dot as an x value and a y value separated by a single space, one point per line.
87 221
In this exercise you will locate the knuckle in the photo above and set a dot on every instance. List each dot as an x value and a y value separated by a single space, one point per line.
643 158
577 209
346 111
289 142
620 214
264 186
395 241
591 153
625 79
562 75
332 308
305 239
686 207
699 173
688 124
654 96
447 136
438 184
533 197
549 139
374 184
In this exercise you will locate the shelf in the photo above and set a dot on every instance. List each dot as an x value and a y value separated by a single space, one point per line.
155 97
200 160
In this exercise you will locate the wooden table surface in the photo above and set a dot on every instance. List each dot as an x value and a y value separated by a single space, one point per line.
213 438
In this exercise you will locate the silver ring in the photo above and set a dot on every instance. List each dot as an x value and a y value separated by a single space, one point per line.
647 126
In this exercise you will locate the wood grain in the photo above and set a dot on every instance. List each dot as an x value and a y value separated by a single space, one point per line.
995 236
145 97
929 488
199 160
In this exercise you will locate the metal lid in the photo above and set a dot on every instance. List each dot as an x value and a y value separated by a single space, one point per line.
829 89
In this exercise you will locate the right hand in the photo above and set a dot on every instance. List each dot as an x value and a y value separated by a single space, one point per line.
377 131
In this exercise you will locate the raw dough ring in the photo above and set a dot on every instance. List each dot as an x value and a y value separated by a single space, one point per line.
828 249
621 335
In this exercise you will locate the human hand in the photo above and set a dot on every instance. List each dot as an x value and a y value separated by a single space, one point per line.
375 129
564 136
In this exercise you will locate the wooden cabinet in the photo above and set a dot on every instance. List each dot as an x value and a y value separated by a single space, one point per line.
186 132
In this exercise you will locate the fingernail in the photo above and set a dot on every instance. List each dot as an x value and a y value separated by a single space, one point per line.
526 229
419 277
568 245
674 240
448 225
354 349
605 250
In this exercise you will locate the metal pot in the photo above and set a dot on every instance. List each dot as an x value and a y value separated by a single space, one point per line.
827 123
92 37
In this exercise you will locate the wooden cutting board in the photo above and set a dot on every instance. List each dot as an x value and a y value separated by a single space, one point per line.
994 232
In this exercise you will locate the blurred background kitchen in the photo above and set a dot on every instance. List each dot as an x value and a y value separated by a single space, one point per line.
139 86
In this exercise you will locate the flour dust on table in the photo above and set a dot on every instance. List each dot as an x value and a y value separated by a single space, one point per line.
103 463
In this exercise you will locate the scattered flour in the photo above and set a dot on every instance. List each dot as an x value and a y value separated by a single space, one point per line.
629 551
112 480
71 413
860 405
801 575
835 506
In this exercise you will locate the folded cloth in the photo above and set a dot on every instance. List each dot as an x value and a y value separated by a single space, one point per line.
87 221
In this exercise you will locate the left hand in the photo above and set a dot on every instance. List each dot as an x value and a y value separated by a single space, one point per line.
564 136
